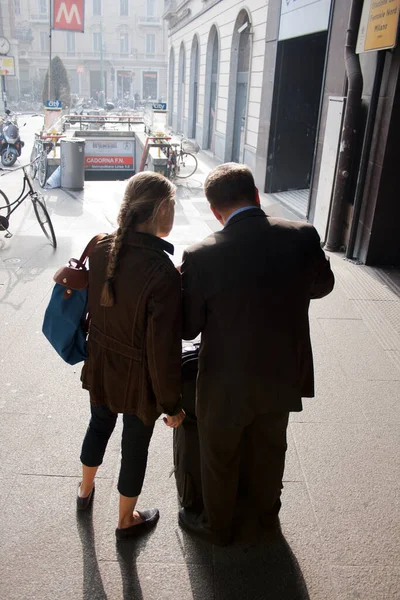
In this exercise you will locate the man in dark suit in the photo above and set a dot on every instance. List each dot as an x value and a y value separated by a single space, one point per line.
247 290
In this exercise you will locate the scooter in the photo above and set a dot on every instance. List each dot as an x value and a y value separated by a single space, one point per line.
10 143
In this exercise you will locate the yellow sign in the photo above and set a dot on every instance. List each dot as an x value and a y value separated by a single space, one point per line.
7 66
379 25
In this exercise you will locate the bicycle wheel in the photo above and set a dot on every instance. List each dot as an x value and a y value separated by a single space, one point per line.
44 220
4 205
187 165
33 167
42 168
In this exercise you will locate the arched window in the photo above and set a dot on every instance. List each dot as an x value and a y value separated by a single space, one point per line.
210 105
171 84
238 88
181 88
194 86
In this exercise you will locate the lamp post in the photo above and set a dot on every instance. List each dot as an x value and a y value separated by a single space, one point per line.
102 86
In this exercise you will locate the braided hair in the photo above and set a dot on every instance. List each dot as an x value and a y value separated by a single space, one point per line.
142 200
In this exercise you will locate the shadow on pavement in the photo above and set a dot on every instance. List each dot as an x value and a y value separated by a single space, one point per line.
127 554
266 569
92 582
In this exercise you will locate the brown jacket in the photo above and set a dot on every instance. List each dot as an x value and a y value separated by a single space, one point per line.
247 290
134 347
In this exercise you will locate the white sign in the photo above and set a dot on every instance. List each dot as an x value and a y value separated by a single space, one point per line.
109 155
303 17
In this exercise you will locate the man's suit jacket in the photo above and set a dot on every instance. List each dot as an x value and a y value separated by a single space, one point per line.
247 290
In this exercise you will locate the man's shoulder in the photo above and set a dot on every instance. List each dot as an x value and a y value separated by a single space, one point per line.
205 246
296 228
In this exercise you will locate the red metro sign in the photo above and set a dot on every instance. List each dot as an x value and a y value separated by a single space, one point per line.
69 15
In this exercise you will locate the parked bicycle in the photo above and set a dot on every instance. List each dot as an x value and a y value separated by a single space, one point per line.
42 147
181 162
39 206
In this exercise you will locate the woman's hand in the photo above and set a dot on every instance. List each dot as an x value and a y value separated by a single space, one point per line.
176 420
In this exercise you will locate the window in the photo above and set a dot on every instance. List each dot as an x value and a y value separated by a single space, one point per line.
124 43
17 7
124 8
73 78
70 42
97 41
150 85
44 41
43 8
151 8
96 8
151 44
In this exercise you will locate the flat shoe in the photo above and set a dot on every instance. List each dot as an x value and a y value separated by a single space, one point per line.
84 503
150 518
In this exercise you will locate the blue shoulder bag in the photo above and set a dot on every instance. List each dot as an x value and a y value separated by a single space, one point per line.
66 318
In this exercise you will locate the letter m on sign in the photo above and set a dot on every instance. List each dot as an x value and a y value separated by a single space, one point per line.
68 15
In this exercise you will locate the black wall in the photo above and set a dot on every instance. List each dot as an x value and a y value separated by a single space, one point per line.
297 93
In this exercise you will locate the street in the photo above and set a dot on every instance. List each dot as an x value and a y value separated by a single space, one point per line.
341 511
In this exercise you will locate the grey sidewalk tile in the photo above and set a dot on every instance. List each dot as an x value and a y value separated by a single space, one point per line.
332 403
293 470
6 485
378 400
45 578
360 282
349 340
57 447
43 539
381 318
353 485
17 433
130 580
367 583
335 306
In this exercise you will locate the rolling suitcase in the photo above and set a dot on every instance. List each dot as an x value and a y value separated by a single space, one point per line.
186 437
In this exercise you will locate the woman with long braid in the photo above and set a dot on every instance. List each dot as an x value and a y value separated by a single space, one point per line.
134 345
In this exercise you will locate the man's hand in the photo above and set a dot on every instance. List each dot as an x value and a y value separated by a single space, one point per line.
176 420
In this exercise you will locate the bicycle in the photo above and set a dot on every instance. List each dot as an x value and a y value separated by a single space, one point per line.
39 206
181 164
38 160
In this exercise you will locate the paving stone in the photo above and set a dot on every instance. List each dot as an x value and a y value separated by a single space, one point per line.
349 339
44 541
293 470
334 306
353 486
132 580
17 432
367 583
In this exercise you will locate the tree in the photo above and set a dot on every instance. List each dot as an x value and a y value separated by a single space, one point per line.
60 89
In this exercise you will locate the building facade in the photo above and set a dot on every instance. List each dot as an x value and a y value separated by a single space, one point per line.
126 39
265 83
216 56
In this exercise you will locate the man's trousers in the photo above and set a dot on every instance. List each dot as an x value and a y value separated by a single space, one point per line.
264 441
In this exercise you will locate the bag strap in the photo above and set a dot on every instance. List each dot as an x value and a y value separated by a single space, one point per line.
90 247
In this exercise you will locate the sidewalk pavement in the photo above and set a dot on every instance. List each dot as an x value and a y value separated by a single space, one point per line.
339 536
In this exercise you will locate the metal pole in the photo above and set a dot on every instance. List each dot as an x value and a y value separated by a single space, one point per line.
50 23
101 66
4 91
365 153
351 123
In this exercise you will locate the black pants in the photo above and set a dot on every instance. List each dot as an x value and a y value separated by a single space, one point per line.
135 442
220 450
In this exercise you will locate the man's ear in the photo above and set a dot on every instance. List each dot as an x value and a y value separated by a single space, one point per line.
216 214
258 201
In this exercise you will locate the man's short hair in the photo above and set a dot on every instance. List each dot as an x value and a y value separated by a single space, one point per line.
230 185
